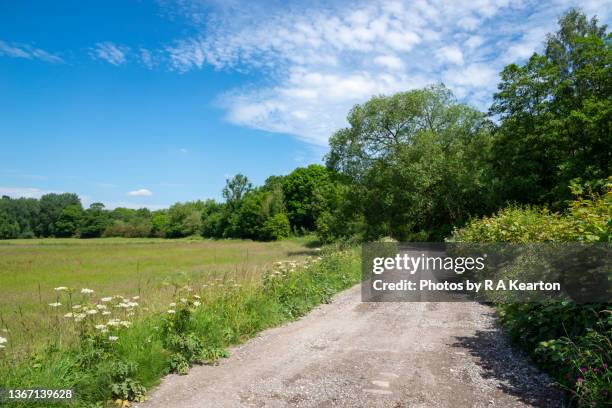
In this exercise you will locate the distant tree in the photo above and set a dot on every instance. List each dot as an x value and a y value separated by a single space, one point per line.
159 219
94 221
51 207
299 188
184 219
235 189
68 222
214 219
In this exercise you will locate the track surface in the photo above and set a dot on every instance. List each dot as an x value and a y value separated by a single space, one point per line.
354 354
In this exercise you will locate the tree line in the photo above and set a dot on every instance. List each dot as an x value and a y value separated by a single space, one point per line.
412 166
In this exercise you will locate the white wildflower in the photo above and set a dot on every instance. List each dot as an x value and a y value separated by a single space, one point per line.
86 291
113 322
61 288
55 304
3 340
183 300
172 304
106 299
196 303
113 338
92 312
76 307
135 297
100 326
171 311
101 307
125 323
106 313
69 315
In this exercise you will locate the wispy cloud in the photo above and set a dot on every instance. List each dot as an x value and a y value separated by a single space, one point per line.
115 204
143 192
112 53
317 62
26 51
147 59
26 192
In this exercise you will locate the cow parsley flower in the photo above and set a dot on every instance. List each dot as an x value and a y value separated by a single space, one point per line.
86 291
106 299
61 288
55 304
113 338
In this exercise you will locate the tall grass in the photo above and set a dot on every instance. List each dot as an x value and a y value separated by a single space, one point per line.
151 268
197 327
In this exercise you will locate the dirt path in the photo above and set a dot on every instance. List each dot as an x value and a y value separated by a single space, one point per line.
354 354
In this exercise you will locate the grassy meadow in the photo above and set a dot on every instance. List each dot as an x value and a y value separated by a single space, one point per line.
108 318
150 268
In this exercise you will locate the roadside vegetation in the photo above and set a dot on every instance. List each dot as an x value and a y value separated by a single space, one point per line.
110 350
414 166
571 342
148 267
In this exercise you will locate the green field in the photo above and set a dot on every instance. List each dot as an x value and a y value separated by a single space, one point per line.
149 268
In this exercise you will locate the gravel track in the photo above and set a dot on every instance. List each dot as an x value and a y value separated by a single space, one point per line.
354 354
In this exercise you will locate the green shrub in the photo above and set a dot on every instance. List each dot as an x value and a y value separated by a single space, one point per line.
275 228
571 342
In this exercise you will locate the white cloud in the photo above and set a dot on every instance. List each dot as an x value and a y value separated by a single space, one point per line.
317 62
389 61
143 192
26 192
28 52
450 54
112 53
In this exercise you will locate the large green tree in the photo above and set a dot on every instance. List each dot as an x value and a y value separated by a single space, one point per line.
416 163
555 114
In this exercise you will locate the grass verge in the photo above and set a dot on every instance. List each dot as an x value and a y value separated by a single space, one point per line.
115 361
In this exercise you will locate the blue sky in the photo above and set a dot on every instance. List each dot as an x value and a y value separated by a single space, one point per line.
144 103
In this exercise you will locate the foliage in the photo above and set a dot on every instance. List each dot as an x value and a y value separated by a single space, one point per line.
275 228
403 156
299 188
570 341
555 115
116 360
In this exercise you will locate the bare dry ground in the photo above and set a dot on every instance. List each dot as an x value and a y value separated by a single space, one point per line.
354 354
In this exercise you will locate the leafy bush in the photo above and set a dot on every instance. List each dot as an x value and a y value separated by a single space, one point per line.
571 342
275 228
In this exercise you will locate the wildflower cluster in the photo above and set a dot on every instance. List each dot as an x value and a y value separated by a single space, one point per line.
282 269
98 318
